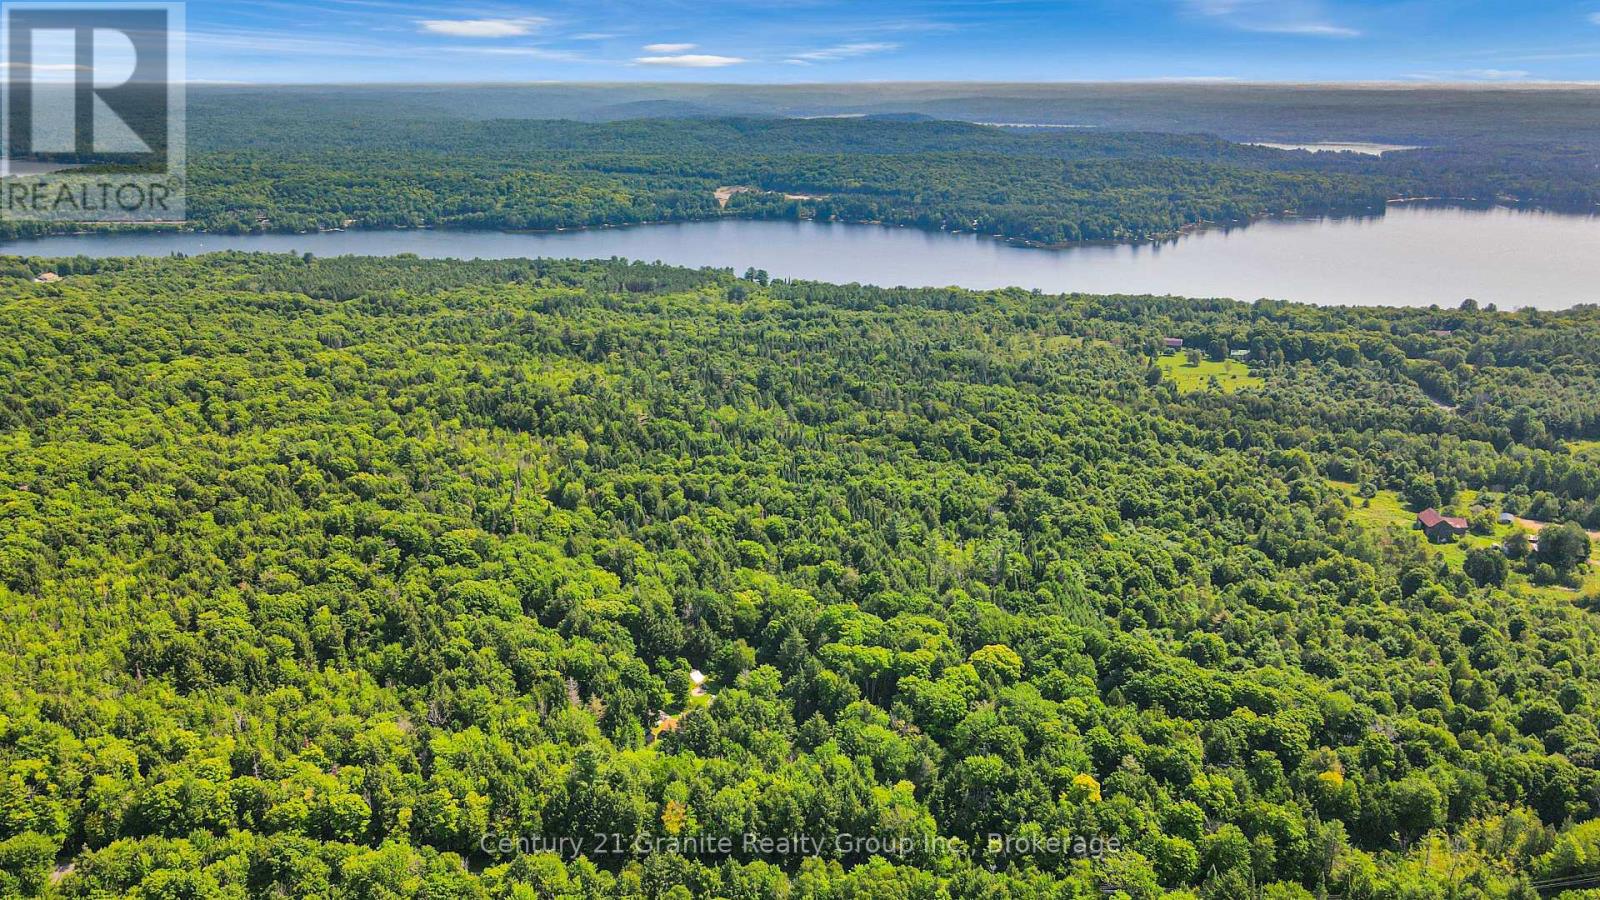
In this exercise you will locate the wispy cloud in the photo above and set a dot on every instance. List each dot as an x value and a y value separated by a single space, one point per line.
841 51
1315 29
1184 79
668 48
252 42
1499 74
529 52
44 67
481 28
1294 17
1474 75
1594 18
690 61
41 73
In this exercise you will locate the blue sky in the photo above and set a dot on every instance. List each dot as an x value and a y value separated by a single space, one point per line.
894 40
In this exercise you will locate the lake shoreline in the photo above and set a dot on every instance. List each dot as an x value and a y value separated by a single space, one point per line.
1408 254
1155 238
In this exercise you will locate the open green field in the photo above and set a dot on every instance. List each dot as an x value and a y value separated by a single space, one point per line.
1231 375
1581 448
1387 510
1381 511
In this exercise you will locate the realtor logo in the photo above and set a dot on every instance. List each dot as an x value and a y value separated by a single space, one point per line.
93 125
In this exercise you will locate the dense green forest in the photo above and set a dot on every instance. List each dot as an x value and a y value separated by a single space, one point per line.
292 161
378 578
1040 185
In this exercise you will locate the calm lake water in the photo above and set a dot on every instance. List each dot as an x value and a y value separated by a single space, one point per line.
1414 255
1365 148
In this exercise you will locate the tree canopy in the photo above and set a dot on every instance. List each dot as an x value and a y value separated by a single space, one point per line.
328 577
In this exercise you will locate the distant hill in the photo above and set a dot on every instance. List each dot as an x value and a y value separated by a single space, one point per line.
654 109
1430 116
902 117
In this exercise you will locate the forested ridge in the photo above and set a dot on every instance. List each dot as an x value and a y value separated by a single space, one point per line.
407 172
1042 186
320 576
283 161
1420 115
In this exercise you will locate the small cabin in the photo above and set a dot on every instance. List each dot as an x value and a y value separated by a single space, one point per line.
1240 355
1172 344
1441 529
1507 519
47 278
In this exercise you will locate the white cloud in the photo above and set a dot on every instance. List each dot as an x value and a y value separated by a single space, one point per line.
481 28
842 51
1595 18
690 61
668 48
1296 17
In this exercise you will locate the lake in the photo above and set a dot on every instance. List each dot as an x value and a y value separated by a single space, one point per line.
1413 255
1365 148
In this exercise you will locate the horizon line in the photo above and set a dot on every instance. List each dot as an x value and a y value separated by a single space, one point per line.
1389 84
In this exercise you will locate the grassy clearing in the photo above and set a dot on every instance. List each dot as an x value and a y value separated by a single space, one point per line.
1387 510
1231 375
699 698
1589 588
1591 585
1584 448
1378 513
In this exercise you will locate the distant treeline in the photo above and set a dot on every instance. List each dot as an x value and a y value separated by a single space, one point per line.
283 166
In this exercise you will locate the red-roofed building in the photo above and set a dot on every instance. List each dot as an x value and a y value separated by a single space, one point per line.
1441 529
